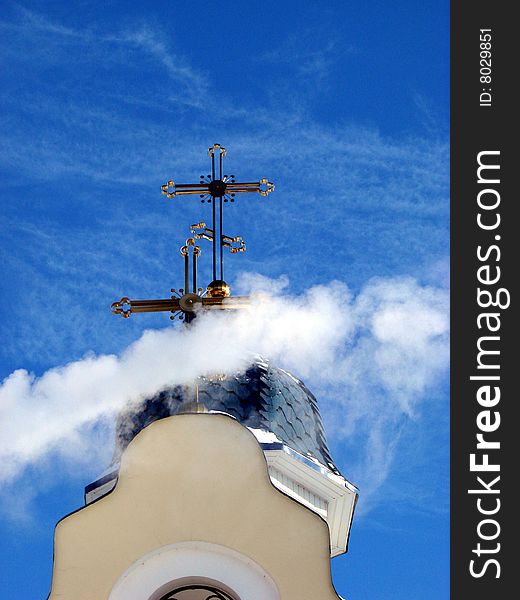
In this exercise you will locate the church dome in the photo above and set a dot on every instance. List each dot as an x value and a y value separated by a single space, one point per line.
263 397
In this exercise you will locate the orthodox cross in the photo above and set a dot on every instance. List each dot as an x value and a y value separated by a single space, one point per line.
217 295
217 191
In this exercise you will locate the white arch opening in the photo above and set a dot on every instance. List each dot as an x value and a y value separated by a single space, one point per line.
169 567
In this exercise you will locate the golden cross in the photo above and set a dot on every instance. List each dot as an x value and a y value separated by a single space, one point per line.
217 191
217 295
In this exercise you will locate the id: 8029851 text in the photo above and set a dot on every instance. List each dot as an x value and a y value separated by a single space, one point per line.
485 67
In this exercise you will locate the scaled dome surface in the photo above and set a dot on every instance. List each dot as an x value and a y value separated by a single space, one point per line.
262 397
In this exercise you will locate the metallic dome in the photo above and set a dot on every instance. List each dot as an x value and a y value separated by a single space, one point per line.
263 397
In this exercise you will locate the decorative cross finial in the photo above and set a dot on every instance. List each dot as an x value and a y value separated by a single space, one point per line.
214 191
217 191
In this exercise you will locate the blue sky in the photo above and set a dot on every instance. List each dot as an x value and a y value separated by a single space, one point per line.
345 106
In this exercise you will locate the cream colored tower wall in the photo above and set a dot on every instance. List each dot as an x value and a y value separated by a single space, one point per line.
192 478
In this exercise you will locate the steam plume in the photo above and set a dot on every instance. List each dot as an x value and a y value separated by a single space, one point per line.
368 358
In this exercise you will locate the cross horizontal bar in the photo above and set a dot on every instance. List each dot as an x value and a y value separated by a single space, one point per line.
171 189
245 184
125 306
232 302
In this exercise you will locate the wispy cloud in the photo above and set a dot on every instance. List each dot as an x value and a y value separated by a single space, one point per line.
136 147
194 87
309 59
72 59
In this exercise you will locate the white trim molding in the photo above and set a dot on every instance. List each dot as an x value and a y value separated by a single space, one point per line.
327 494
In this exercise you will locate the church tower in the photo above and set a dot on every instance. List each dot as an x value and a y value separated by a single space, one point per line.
220 490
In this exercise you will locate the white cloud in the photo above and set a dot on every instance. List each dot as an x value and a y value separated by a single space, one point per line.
372 356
